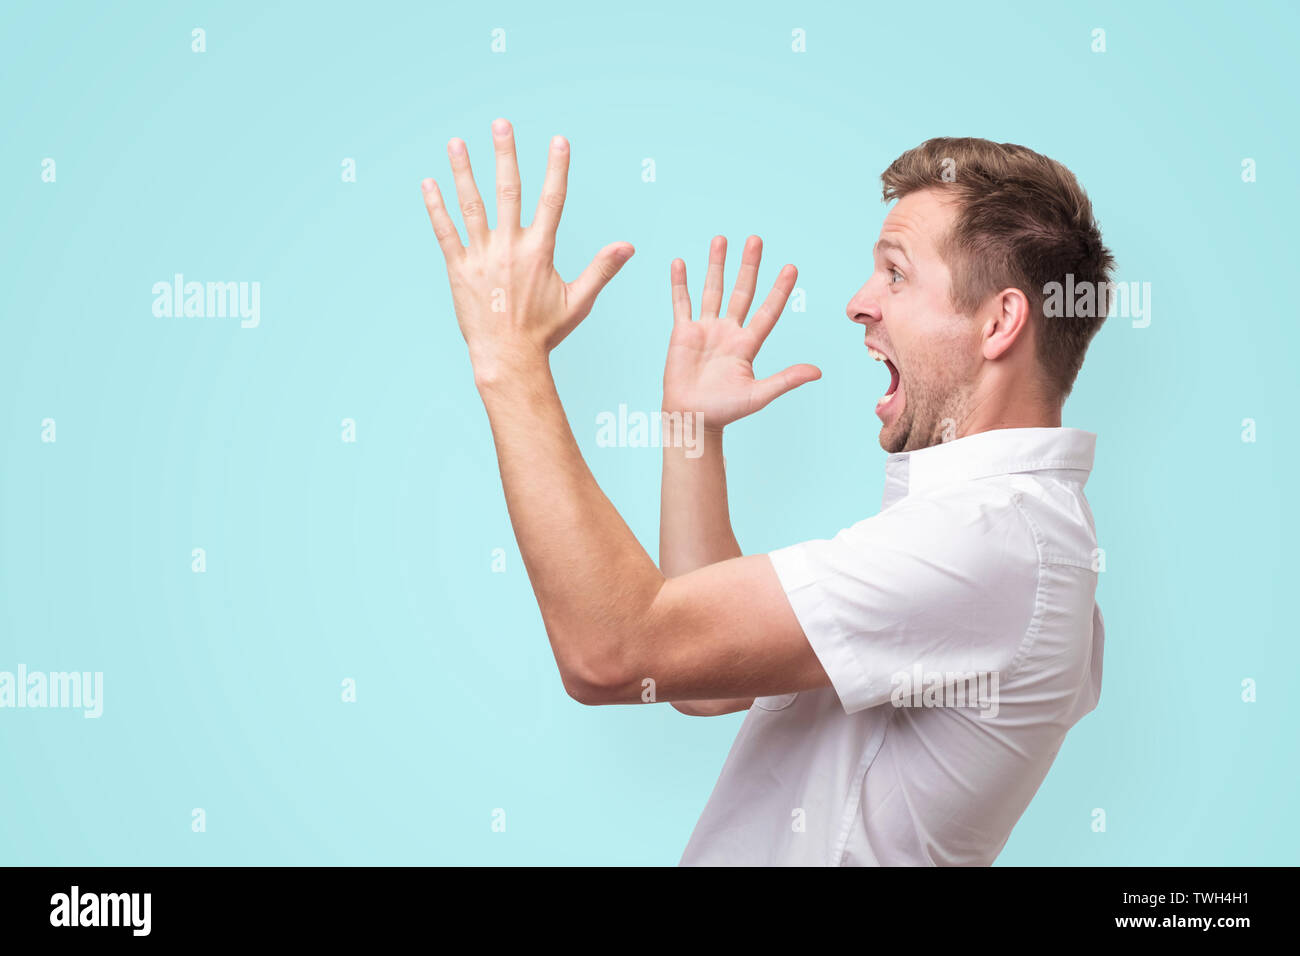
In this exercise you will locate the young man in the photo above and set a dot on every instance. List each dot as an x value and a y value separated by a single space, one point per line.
910 681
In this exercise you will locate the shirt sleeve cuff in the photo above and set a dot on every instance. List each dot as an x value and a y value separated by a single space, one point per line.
796 571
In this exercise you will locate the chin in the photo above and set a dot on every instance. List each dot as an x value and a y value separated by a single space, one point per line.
893 439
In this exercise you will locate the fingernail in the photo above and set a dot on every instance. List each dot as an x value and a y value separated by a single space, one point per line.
427 185
500 127
558 144
456 147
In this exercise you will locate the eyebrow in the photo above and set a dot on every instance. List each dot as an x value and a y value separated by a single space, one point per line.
891 244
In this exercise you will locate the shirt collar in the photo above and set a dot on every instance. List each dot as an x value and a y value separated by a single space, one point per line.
1002 451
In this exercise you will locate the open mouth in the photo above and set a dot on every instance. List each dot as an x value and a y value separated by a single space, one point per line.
890 393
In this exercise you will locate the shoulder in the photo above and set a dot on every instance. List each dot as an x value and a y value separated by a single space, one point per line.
985 527
962 559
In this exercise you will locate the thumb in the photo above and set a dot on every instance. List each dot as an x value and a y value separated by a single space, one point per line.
776 385
584 289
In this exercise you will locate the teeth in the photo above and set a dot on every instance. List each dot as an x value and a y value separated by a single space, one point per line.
878 356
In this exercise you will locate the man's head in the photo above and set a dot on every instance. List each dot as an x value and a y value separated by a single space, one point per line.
955 303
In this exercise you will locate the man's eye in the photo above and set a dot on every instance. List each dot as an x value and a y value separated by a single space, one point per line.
895 276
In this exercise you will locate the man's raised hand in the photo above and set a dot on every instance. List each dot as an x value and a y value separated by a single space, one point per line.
511 304
710 366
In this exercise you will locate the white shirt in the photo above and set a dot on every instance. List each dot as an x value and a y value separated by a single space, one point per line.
979 567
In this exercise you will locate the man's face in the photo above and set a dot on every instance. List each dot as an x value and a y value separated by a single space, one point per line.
932 351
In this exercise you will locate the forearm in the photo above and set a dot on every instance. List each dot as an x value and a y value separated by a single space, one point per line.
694 521
695 530
593 580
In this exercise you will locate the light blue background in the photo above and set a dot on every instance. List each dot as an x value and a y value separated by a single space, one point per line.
372 560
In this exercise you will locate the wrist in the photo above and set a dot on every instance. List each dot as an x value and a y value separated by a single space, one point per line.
705 425
698 420
685 437
496 367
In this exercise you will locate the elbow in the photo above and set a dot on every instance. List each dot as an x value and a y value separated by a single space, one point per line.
602 655
691 709
596 680
584 692
710 708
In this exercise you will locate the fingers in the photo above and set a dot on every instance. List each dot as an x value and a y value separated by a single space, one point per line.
471 204
711 300
443 228
681 295
746 279
584 289
777 385
551 203
508 189
765 318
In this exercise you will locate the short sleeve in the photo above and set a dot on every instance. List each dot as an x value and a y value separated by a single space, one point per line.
943 585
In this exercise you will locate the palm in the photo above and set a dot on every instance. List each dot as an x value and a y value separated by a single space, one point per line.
710 367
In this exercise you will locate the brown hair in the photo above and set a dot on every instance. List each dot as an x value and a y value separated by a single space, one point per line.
1023 222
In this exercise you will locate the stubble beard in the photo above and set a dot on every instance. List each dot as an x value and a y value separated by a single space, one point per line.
930 417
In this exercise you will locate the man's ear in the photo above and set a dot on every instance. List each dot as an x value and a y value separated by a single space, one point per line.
1006 322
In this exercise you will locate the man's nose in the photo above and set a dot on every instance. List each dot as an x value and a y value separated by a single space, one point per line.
863 308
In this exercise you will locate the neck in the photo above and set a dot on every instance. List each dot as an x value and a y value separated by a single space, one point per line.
1019 411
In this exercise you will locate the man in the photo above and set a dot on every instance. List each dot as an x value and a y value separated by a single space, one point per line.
910 681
